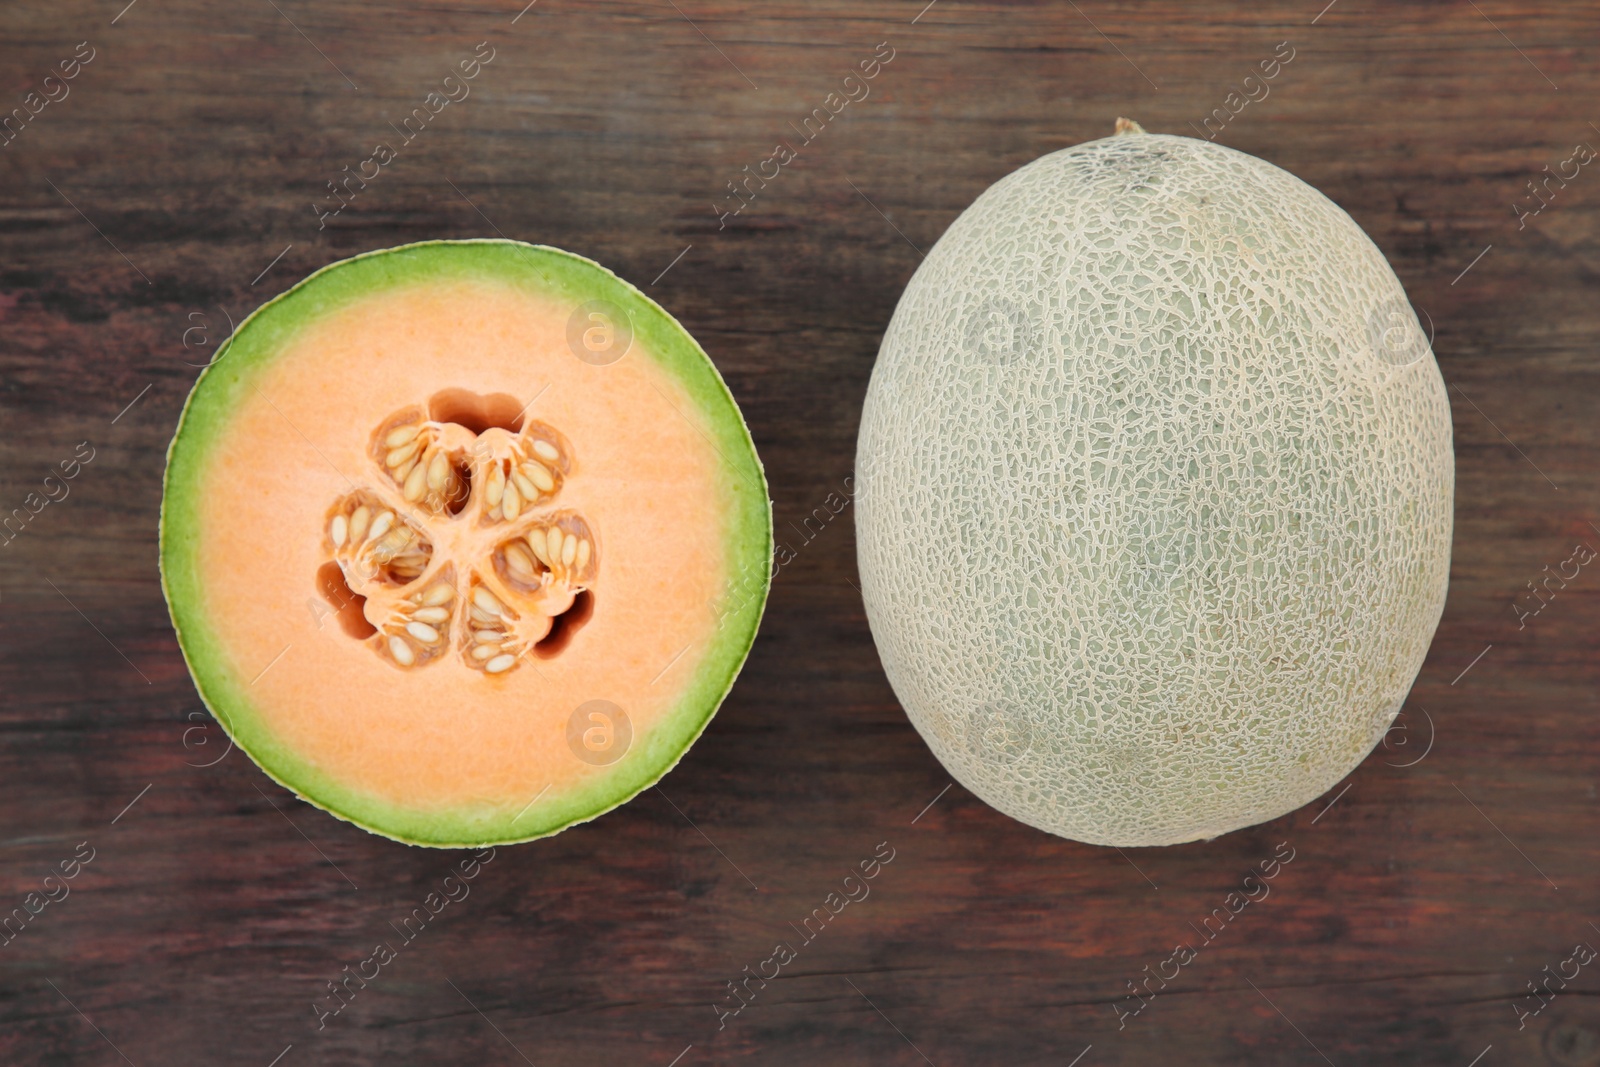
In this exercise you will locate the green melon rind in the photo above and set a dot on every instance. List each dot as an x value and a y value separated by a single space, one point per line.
552 272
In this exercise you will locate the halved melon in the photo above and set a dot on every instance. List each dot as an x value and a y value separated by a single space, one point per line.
464 541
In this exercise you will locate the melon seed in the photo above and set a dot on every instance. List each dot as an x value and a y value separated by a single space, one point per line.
416 482
546 451
536 542
422 632
519 560
401 651
401 435
400 455
511 502
431 614
358 524
500 663
524 486
438 470
539 476
339 530
392 543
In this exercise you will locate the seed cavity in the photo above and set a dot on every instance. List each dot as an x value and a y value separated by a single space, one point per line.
375 548
464 472
422 463
526 473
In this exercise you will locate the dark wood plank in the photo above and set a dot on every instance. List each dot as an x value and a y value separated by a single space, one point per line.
175 186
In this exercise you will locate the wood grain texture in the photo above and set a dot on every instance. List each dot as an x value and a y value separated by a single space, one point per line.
159 195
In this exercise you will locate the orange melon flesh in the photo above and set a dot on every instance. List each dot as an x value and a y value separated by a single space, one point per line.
660 473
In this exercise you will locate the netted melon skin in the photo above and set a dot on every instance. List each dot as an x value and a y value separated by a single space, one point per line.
1155 493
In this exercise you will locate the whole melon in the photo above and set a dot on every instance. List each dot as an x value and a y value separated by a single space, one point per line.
1155 491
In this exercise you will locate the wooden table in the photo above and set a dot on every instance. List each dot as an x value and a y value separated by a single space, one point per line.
176 183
